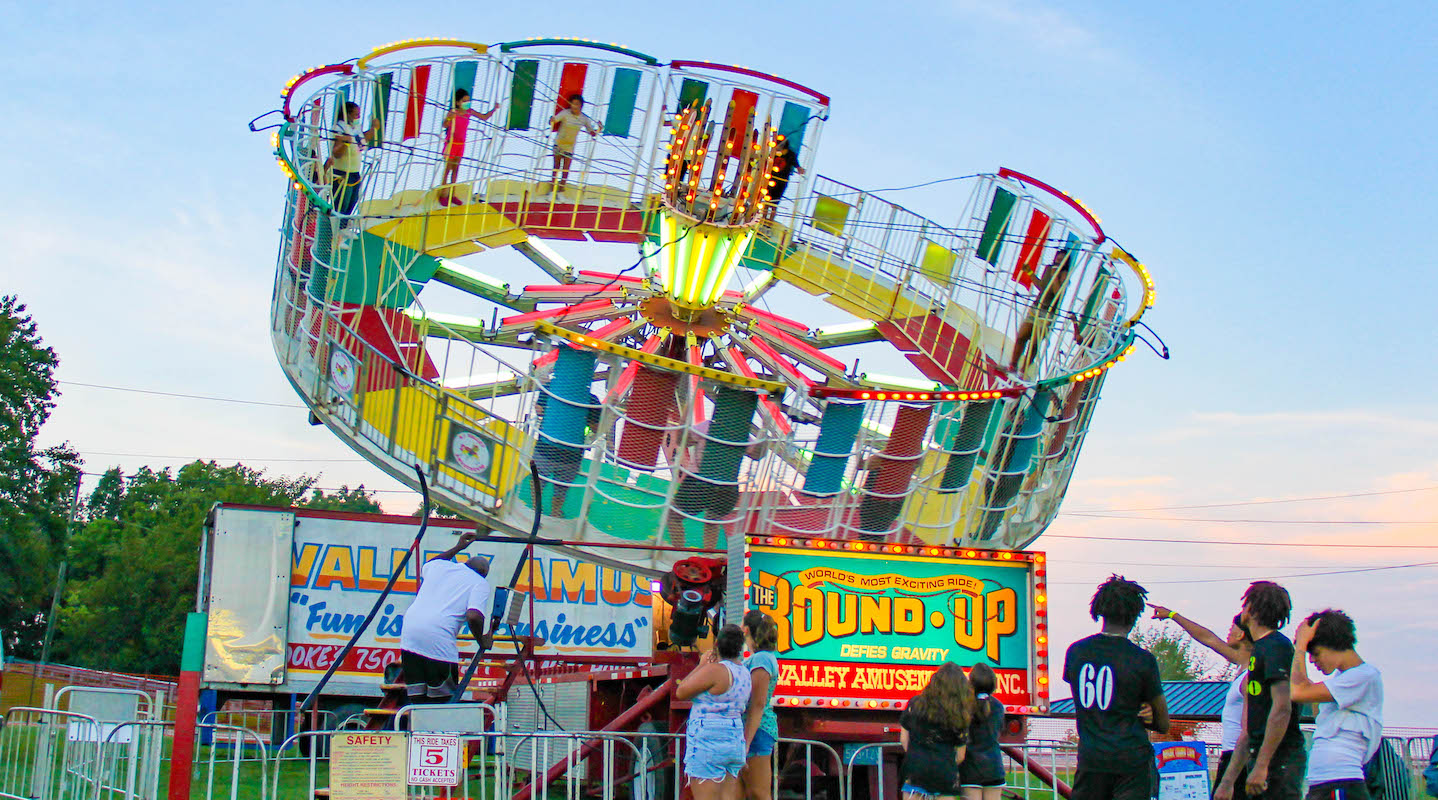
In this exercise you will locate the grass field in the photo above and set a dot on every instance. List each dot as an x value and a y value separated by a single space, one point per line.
218 775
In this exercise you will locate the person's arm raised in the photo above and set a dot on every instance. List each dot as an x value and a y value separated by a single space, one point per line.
465 540
701 679
1200 634
1300 688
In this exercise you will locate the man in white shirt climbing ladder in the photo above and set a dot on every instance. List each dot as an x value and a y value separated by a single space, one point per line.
450 596
1350 705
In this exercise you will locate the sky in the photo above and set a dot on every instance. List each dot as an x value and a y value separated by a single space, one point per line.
1271 163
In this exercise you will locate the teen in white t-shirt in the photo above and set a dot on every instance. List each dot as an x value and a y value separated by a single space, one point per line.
1350 711
450 596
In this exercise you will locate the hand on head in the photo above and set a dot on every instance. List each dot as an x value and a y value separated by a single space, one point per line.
1304 634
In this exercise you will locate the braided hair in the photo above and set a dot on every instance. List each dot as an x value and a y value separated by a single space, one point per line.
1118 600
1268 604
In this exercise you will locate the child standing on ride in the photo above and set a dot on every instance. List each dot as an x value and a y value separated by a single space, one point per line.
934 729
456 130
761 727
982 774
344 163
567 124
719 688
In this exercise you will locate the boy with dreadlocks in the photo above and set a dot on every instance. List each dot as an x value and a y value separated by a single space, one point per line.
1117 693
1350 711
1270 744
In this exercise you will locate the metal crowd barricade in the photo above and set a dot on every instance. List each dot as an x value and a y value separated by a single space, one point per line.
1058 759
860 757
492 777
40 760
1420 751
272 726
1395 768
122 777
662 772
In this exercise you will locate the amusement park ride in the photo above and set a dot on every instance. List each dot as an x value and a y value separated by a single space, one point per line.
682 380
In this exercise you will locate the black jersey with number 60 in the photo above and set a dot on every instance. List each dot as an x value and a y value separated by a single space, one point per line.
1111 678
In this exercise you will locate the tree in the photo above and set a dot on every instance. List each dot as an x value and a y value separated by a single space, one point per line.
437 511
344 499
136 561
35 484
1179 657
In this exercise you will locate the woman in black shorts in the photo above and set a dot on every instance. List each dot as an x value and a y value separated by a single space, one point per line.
982 775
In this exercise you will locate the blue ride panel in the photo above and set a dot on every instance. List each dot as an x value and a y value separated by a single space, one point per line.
838 430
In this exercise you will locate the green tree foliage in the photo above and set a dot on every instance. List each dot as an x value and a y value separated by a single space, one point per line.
1179 657
36 484
135 564
343 499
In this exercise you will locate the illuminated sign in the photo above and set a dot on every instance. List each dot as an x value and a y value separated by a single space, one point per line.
869 628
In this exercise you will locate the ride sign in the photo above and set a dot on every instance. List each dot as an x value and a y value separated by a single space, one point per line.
875 626
433 760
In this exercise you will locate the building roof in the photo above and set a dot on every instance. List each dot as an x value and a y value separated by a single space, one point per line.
1201 701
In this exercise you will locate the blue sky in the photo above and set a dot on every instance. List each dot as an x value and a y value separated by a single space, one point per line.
1272 163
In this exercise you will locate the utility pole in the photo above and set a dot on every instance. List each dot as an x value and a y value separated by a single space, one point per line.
59 590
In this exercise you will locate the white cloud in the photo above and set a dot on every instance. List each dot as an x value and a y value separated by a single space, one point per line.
1044 27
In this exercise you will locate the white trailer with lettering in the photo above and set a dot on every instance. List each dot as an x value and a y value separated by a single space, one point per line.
285 589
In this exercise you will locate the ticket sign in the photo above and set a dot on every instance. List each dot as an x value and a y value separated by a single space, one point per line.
367 766
434 760
1182 770
875 626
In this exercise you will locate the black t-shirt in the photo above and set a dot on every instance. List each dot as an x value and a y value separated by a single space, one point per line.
1110 678
983 760
931 761
1270 663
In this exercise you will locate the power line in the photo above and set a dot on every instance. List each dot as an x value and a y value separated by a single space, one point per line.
1244 543
1283 577
1255 521
1056 560
1257 502
223 458
185 396
312 488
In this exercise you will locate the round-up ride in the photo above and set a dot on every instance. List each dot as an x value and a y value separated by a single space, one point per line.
674 353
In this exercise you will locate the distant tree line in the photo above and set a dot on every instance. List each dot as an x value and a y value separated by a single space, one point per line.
130 546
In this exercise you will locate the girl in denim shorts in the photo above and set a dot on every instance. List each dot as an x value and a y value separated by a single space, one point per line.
719 689
761 727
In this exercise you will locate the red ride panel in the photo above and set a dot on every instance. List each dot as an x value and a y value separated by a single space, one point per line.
414 112
1033 248
737 122
571 81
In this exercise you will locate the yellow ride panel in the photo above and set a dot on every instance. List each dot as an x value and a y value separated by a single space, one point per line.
445 227
422 429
